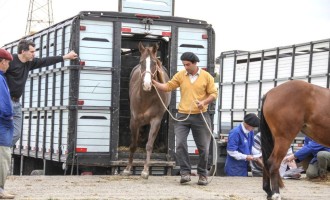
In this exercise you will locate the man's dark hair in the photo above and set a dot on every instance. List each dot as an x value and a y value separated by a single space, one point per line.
24 45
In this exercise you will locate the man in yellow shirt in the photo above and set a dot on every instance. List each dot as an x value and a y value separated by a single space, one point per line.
197 90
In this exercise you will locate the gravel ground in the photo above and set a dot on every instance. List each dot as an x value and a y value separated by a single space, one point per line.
156 187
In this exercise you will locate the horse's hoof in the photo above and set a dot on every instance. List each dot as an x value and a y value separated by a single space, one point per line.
276 196
145 174
126 173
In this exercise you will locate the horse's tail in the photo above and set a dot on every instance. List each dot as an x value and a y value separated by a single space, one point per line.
267 142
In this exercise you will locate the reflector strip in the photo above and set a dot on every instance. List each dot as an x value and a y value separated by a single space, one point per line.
196 151
126 30
147 16
81 102
81 150
166 34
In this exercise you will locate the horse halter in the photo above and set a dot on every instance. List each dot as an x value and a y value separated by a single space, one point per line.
152 74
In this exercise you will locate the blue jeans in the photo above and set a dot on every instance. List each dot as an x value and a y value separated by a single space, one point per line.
18 121
202 138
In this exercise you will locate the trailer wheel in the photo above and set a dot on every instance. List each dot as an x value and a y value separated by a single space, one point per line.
37 172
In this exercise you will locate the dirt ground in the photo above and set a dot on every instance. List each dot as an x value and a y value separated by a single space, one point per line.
156 187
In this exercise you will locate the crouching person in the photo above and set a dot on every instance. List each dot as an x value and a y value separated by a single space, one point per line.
239 147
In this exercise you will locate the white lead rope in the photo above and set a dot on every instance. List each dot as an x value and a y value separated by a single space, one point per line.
208 127
161 100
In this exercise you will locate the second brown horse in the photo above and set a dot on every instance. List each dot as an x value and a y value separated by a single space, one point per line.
287 109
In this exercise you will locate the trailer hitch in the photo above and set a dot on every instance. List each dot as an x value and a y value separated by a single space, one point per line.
147 22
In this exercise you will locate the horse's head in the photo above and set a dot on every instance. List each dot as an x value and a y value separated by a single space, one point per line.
149 65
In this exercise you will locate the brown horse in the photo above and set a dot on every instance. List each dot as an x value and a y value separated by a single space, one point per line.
287 109
146 107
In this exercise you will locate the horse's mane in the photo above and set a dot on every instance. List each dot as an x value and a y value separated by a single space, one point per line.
133 70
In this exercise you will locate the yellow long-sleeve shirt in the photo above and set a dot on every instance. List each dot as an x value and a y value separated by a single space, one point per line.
190 92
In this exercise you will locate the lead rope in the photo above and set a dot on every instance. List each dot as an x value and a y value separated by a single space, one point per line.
175 119
208 127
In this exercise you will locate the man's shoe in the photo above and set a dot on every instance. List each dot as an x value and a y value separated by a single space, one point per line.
324 177
317 179
185 178
202 180
295 176
5 195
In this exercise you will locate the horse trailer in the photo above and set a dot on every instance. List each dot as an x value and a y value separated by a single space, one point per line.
246 76
76 113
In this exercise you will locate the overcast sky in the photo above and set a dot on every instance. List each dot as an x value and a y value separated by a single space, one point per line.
239 24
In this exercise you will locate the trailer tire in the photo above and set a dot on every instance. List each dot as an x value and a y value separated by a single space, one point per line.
37 172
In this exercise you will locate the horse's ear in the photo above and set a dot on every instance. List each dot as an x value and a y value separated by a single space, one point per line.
155 48
141 47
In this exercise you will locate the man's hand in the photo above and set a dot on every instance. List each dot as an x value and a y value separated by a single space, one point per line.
160 86
71 55
205 102
200 104
249 158
289 158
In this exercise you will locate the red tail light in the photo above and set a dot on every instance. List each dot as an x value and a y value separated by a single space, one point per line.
82 63
196 151
126 30
81 150
81 102
166 34
147 16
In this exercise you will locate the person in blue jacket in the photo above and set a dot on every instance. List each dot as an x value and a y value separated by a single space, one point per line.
6 124
320 162
239 146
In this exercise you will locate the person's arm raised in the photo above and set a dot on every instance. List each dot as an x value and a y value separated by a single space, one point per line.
70 56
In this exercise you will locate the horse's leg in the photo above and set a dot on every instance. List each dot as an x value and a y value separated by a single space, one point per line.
281 146
132 148
266 183
271 178
154 128
274 166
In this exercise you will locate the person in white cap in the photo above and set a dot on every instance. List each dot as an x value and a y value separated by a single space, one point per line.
6 124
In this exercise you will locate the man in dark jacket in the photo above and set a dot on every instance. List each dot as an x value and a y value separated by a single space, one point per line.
320 162
6 124
18 72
